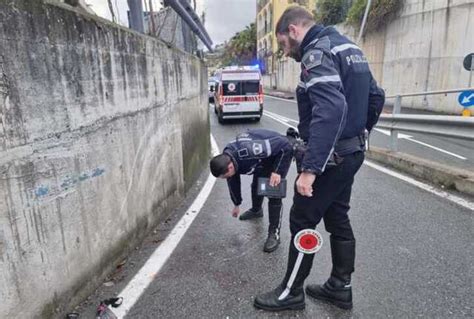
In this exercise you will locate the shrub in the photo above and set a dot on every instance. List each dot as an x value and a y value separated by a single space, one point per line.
380 14
329 12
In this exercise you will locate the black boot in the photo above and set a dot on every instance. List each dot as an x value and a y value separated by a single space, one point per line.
337 289
271 300
274 216
251 214
272 242
290 294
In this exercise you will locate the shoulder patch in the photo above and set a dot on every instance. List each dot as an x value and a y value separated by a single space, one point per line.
312 58
323 44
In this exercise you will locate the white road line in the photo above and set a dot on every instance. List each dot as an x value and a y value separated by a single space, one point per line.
279 98
436 148
135 288
278 119
458 200
411 139
401 136
455 199
286 119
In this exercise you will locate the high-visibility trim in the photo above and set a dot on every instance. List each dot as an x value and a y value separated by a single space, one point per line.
290 282
269 147
240 98
344 47
323 79
279 222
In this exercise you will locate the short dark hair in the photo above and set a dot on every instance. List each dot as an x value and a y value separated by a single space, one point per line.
295 14
219 165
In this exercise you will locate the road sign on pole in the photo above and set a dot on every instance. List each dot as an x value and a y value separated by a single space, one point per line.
468 64
466 98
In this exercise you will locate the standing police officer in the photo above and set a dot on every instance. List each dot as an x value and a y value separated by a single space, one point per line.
338 100
262 153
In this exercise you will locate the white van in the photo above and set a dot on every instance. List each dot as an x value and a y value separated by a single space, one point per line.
238 93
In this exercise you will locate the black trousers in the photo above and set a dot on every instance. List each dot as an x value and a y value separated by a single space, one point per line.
330 202
275 209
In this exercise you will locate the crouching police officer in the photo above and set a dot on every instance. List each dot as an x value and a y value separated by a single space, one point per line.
262 153
338 100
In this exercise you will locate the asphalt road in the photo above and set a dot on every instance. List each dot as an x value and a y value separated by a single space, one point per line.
414 251
456 153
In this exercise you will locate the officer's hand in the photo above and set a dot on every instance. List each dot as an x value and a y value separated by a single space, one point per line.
235 211
304 184
275 179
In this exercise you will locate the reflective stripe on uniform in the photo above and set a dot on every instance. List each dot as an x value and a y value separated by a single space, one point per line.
301 84
343 47
323 79
269 147
290 282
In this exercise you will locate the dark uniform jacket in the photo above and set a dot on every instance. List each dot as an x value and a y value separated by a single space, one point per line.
338 99
254 149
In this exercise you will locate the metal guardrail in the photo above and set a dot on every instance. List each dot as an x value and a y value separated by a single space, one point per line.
442 125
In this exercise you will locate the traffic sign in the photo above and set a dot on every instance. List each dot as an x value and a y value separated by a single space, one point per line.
466 98
468 62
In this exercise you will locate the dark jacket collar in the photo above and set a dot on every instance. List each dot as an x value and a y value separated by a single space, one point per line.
310 36
315 32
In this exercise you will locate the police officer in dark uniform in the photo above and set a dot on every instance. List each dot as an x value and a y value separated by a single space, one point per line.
338 101
262 153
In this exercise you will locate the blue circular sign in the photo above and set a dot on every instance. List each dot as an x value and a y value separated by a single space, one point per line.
466 98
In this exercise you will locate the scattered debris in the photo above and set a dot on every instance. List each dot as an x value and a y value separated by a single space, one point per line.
122 263
103 310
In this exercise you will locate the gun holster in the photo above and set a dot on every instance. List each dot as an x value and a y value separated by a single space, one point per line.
300 148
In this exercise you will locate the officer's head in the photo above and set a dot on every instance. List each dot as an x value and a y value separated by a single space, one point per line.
291 29
222 166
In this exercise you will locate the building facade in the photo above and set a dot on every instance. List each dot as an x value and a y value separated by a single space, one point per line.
268 13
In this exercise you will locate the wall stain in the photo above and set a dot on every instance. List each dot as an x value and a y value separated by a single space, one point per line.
68 182
61 224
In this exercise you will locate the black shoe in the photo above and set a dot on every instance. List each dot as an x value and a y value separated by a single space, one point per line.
333 291
272 242
251 214
269 301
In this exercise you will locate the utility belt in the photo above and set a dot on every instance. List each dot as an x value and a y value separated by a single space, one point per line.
342 148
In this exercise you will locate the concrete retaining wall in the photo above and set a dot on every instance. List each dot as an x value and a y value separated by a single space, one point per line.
421 50
102 130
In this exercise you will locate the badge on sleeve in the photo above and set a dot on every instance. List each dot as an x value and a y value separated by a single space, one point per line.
312 59
308 241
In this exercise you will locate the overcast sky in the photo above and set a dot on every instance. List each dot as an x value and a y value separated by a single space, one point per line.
223 17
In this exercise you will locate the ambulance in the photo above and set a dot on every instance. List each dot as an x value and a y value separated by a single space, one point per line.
238 93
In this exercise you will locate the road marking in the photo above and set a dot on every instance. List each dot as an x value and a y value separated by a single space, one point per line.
283 118
278 119
455 199
458 200
411 139
437 148
279 98
386 132
135 288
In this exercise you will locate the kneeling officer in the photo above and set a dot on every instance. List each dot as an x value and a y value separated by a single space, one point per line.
263 153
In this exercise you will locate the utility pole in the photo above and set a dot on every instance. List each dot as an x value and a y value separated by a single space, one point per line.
111 8
136 15
152 18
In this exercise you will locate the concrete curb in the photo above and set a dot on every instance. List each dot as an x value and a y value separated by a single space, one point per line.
439 174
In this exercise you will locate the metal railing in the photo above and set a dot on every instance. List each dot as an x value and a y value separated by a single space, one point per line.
442 125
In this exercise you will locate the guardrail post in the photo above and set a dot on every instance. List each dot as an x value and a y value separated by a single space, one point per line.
394 133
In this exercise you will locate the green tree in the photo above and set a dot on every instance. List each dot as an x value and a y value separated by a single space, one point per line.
241 49
330 12
380 14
